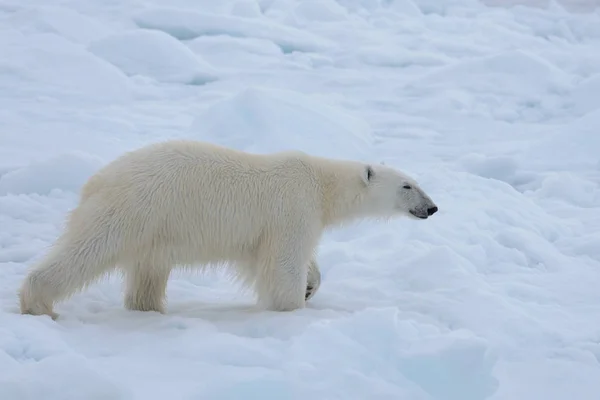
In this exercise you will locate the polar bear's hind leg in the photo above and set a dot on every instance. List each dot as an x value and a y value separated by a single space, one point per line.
74 263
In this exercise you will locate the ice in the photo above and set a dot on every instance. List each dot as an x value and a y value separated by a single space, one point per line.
389 56
246 8
572 189
504 71
585 96
153 54
532 88
226 45
407 7
270 120
226 53
64 377
494 109
375 7
187 24
323 11
62 21
64 172
48 64
576 137
502 168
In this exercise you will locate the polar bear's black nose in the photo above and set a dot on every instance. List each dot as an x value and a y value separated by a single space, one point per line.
432 210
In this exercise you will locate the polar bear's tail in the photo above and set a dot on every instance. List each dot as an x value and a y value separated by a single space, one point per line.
76 260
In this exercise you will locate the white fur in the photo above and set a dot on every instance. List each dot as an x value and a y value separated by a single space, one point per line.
187 203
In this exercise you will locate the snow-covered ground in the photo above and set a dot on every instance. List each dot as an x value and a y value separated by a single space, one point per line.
495 110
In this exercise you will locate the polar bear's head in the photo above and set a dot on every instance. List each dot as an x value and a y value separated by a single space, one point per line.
389 192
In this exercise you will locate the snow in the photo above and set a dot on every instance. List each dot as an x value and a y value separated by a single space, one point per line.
64 172
493 108
584 95
153 54
65 22
320 11
40 63
187 24
266 120
245 8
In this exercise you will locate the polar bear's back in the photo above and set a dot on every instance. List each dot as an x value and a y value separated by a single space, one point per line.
196 194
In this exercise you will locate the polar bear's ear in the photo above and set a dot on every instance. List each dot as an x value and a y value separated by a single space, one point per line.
368 174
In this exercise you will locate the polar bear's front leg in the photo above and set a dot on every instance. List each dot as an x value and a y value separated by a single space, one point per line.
282 286
146 286
314 279
281 282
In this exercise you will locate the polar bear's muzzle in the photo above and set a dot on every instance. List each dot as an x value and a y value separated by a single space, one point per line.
424 212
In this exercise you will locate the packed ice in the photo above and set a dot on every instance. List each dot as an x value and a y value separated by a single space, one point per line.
492 105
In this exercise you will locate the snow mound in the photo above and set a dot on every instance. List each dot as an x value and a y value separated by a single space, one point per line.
52 65
320 10
65 172
63 377
227 53
406 7
407 359
458 369
227 45
508 72
501 168
571 188
154 54
510 86
188 24
378 7
268 120
388 56
62 21
585 95
580 137
246 8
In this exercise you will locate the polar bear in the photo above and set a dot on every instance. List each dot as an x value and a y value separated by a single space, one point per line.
188 203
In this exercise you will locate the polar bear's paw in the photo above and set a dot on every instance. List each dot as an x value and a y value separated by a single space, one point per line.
313 280
310 291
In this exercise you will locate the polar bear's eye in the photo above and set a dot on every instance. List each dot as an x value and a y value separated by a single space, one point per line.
407 187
